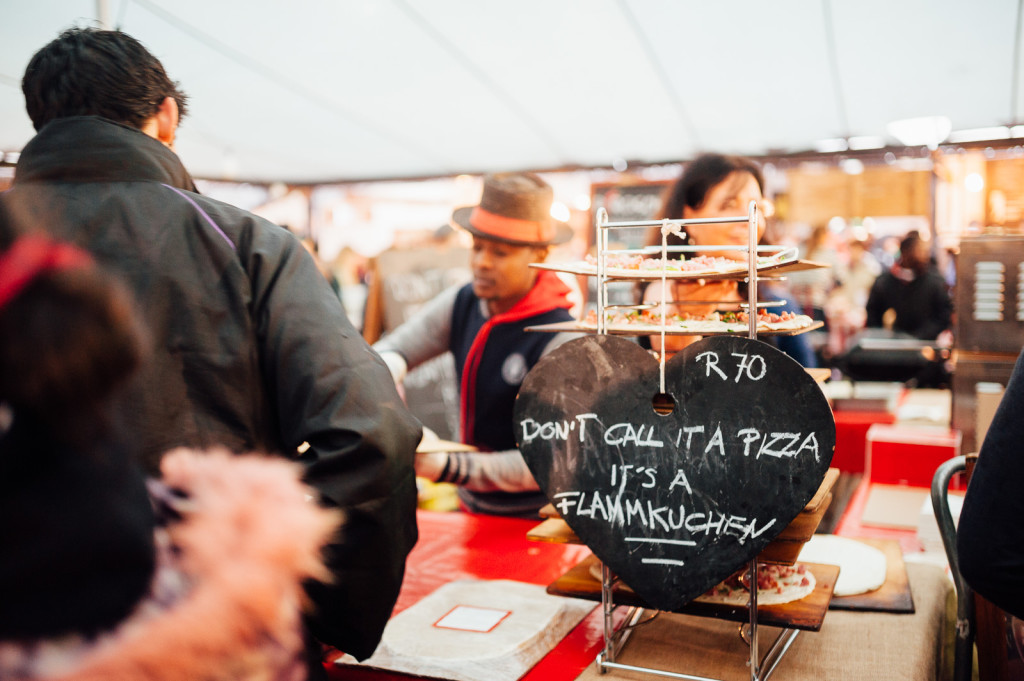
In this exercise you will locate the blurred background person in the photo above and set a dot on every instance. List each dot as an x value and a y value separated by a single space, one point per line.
328 274
811 288
716 185
911 296
857 273
845 307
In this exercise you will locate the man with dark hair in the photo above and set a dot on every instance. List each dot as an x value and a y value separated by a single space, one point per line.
99 73
252 348
914 291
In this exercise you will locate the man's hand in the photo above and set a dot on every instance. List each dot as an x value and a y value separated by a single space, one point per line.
430 465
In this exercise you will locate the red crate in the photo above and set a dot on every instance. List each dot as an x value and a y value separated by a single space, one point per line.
908 455
851 438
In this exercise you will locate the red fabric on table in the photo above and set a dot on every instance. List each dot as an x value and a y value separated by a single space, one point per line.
459 545
468 546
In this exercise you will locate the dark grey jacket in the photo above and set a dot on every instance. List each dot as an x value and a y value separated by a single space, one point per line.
252 349
923 305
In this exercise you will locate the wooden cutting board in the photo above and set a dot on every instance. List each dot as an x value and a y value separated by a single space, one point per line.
894 595
807 613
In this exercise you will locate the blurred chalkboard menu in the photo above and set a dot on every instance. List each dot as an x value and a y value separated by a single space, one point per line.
401 283
624 203
628 202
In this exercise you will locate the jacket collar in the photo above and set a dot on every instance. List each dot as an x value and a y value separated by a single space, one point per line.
95 149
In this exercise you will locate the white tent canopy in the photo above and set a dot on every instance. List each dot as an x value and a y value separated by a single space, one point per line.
312 91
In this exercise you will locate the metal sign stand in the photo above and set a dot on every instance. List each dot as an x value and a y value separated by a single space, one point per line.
614 639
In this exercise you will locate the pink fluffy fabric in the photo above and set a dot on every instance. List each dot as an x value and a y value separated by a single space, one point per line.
250 536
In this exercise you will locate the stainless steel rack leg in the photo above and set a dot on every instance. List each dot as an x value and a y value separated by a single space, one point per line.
615 639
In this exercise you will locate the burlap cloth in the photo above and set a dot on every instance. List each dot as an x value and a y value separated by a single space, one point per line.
851 646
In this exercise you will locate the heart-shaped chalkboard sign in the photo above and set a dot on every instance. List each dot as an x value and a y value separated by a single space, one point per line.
674 502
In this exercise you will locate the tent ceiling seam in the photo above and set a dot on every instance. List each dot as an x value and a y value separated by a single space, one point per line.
1015 66
254 66
468 64
122 11
659 69
833 61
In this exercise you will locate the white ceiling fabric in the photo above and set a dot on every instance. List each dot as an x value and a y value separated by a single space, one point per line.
332 90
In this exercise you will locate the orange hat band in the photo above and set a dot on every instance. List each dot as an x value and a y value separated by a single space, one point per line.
513 229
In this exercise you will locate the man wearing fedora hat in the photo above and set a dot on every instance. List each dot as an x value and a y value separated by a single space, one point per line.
483 324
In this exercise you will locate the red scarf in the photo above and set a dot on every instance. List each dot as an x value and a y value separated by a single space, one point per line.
548 293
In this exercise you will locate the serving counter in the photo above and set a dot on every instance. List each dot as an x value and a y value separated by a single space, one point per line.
850 645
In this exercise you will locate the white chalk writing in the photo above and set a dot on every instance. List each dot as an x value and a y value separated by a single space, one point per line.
776 444
621 510
752 367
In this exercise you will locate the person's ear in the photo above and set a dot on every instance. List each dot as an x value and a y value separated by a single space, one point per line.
166 118
540 253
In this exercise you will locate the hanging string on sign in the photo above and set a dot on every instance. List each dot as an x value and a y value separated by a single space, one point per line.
667 227
752 253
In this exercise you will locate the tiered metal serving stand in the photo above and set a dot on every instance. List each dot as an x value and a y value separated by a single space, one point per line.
615 638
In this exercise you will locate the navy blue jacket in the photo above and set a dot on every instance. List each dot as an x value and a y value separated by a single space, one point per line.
492 357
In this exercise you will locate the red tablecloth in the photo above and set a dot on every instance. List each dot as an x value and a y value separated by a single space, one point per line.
458 545
464 546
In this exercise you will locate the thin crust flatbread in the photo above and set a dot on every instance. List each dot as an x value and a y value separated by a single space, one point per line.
643 268
778 584
701 327
862 568
715 323
627 265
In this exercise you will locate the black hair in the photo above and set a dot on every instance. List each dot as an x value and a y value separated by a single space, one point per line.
700 176
909 241
93 72
68 341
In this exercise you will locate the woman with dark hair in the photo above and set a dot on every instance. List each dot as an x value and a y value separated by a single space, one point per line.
68 340
103 576
702 177
712 186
